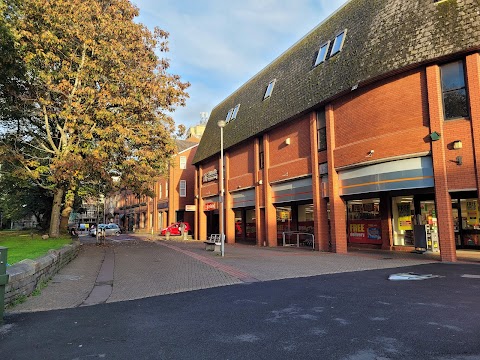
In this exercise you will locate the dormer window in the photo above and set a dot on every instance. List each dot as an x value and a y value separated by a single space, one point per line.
322 53
269 90
338 43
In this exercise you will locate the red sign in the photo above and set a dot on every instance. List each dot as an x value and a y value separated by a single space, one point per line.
209 206
365 231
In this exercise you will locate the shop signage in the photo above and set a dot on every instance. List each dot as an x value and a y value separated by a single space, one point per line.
365 231
210 176
209 206
190 208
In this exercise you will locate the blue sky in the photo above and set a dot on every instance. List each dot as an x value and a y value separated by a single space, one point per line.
218 45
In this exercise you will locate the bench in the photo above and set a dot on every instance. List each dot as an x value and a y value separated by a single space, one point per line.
213 243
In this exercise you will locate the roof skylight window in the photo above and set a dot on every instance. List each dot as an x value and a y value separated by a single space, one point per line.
338 43
322 53
235 112
229 115
269 90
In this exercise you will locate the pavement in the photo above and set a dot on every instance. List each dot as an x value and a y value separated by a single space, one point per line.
136 266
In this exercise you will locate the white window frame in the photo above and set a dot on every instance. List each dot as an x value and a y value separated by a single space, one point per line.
340 47
183 162
235 112
322 55
166 189
160 191
269 90
183 188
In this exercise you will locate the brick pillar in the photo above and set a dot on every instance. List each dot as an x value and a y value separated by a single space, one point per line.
270 211
229 212
172 194
201 217
320 218
155 207
259 219
196 197
443 201
338 221
473 84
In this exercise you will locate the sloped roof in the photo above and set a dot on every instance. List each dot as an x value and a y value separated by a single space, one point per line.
183 145
383 37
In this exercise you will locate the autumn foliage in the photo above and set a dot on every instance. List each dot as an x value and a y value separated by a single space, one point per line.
96 95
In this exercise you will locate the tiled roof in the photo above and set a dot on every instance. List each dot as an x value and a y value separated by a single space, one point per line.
383 37
184 145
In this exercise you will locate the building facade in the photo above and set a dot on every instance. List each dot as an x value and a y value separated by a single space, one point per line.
364 133
173 200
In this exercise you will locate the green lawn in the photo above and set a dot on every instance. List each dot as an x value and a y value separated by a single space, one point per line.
21 245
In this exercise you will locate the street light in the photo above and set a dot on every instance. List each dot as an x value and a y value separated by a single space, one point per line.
221 125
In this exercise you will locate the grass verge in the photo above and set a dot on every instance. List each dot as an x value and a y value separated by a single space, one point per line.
27 245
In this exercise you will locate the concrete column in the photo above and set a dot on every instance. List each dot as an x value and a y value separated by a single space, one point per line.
338 221
443 201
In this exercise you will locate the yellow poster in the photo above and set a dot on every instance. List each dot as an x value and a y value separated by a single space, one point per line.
404 217
472 212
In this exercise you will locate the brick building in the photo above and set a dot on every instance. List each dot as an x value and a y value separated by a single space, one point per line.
173 200
365 132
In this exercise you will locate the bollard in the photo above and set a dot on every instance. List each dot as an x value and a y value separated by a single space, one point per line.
3 279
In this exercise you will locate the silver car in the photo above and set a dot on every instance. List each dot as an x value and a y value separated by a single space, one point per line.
110 229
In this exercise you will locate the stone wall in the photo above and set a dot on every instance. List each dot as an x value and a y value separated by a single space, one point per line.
25 276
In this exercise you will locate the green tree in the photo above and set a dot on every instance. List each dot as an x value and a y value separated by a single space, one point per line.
95 98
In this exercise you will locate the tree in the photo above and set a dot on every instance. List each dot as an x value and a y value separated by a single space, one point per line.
95 98
20 199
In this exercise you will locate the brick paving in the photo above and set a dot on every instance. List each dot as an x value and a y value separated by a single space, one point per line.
146 266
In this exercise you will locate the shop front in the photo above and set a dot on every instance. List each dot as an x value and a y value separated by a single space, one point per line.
466 220
245 218
293 201
400 192
210 207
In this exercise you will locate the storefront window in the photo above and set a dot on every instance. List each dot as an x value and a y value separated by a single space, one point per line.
364 223
238 225
470 222
403 212
250 228
284 220
305 218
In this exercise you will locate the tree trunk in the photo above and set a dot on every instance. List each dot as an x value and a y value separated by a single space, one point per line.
55 218
67 209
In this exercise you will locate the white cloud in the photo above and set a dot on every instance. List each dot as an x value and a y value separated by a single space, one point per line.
218 45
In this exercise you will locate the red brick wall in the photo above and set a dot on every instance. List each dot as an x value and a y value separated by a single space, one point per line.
241 166
459 176
390 118
287 161
211 188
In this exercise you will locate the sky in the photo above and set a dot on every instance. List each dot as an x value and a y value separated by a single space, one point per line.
218 45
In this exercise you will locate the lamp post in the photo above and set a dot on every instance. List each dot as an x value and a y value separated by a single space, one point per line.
221 125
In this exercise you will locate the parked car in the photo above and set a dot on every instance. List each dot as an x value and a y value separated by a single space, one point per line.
175 228
110 229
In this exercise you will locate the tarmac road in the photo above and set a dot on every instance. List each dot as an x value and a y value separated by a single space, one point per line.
358 315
